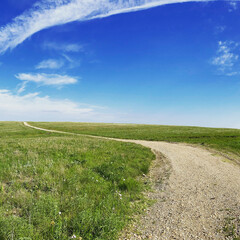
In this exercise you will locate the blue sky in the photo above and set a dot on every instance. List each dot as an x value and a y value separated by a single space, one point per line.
171 62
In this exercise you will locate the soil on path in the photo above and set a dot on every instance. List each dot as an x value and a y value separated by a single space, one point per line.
202 196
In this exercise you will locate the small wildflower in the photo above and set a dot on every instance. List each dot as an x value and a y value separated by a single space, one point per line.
96 180
60 213
124 179
119 194
73 236
52 223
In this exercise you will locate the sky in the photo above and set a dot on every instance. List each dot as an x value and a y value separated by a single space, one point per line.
168 62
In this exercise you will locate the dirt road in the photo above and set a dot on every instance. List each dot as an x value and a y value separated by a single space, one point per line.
202 196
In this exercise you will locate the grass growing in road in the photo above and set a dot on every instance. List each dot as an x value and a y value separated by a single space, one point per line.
226 140
55 186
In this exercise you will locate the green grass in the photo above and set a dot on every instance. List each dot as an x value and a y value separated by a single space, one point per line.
54 186
224 140
230 228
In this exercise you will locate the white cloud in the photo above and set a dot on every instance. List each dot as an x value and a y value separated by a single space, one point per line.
227 57
64 47
22 87
48 13
33 107
72 63
233 6
50 64
230 74
2 91
47 79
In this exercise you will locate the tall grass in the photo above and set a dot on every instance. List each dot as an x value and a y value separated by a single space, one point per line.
54 186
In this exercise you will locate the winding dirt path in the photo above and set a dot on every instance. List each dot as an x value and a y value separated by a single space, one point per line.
202 191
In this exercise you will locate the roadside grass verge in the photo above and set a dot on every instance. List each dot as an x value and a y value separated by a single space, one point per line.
55 186
224 140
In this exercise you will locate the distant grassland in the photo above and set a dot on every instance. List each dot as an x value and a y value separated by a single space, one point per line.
225 140
55 186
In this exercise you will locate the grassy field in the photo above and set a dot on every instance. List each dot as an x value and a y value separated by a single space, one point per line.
225 140
55 186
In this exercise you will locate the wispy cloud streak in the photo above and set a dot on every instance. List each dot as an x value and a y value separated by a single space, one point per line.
47 79
50 64
64 47
48 13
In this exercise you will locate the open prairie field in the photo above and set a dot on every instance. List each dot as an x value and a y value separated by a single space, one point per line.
201 200
55 186
224 140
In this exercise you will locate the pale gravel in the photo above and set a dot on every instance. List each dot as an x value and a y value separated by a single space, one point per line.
203 189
